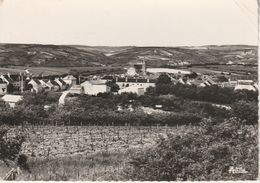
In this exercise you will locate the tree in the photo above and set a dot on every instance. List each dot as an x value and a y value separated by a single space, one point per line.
150 91
246 110
10 149
112 84
163 79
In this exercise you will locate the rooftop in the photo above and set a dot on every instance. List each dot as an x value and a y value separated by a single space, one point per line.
12 98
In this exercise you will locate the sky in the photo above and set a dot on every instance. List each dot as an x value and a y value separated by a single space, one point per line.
129 22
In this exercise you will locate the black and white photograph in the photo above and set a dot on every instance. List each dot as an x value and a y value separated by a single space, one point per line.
129 90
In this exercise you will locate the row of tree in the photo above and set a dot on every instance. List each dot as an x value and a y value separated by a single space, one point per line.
214 93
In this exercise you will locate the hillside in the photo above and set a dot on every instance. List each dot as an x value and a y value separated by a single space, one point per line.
79 56
49 55
197 55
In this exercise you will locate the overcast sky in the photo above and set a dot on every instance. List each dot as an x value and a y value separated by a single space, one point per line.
129 22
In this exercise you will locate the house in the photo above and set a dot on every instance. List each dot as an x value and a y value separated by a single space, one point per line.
17 81
6 79
12 99
93 87
70 80
140 82
133 89
61 83
45 85
245 85
35 85
54 85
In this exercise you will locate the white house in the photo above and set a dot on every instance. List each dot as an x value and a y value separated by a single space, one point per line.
133 89
93 87
70 80
54 85
6 79
61 83
35 85
12 99
245 85
141 83
45 85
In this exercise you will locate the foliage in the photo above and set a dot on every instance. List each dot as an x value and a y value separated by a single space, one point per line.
247 111
163 79
10 149
112 84
205 154
212 93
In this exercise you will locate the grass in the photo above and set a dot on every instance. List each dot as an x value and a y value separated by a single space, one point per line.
99 166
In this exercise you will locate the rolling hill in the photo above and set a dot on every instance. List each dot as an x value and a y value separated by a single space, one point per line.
50 56
79 56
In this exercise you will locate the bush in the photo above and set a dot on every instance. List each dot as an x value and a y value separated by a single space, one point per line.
205 154
10 149
247 111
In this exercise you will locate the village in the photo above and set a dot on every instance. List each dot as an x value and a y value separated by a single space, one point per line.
136 79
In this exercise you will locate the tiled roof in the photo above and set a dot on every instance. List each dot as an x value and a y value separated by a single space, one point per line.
54 83
15 77
37 81
97 82
62 82
8 78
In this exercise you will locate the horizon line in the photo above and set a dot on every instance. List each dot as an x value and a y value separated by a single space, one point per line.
203 45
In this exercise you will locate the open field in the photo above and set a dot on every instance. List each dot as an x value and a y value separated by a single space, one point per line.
85 153
217 69
57 70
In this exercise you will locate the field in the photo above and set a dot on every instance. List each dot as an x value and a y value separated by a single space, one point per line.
36 71
218 69
84 153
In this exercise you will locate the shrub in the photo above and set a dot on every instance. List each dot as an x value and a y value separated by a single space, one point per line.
205 154
10 149
246 110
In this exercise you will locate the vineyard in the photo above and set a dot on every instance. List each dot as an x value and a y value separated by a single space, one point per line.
85 153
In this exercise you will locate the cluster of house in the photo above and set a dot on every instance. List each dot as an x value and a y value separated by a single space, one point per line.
136 80
11 83
224 82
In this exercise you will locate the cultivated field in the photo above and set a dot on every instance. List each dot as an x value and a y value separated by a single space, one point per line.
85 153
